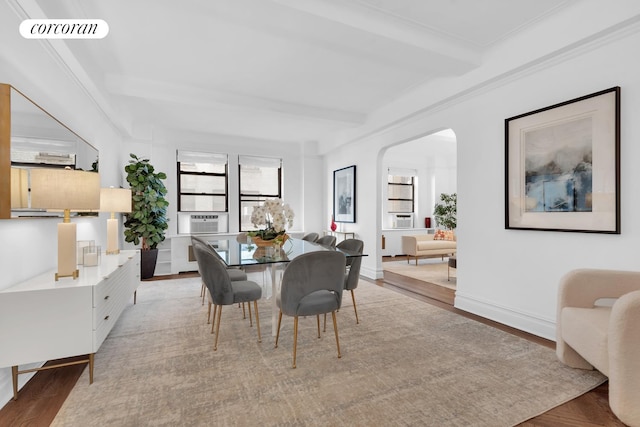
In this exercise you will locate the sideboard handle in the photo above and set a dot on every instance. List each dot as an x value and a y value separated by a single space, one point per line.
107 297
106 317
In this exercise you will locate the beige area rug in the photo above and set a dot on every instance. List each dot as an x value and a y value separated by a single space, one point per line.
427 270
407 363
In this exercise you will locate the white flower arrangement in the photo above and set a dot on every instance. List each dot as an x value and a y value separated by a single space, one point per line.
274 216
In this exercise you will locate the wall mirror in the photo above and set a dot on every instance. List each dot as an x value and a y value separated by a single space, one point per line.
30 138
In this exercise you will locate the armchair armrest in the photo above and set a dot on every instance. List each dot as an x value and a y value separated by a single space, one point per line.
624 353
582 288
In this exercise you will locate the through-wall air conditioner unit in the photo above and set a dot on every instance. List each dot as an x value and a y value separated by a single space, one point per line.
402 220
204 223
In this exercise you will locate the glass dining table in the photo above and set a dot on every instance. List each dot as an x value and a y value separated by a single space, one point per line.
244 253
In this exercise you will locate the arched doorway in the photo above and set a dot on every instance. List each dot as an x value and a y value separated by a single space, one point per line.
414 174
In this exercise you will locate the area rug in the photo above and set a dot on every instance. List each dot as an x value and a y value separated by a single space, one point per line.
406 363
427 270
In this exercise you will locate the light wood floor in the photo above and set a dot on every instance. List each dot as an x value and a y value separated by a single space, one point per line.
41 398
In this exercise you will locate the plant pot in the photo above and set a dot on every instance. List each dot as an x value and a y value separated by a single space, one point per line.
148 261
257 240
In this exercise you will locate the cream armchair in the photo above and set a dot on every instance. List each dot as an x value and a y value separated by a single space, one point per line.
598 326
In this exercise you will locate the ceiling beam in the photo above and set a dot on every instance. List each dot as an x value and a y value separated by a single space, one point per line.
221 99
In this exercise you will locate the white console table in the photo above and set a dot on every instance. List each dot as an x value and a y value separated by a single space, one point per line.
42 319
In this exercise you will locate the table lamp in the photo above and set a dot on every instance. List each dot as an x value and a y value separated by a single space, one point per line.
114 200
65 189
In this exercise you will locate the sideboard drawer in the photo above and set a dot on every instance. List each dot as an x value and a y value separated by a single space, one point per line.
109 285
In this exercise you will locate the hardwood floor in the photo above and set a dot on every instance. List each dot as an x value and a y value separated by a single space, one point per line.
41 398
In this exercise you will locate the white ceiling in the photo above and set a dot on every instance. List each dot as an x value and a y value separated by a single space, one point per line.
289 70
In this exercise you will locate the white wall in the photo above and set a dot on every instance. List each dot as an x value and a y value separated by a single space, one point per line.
512 275
301 179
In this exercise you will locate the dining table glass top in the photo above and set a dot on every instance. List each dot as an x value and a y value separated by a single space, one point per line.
237 253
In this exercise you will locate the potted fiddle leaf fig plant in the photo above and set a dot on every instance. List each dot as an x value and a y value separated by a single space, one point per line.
147 223
446 210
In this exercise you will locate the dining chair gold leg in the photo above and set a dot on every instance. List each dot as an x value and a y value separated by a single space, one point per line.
244 314
213 319
209 314
335 328
318 317
353 298
215 345
295 339
324 328
278 330
255 306
203 292
250 320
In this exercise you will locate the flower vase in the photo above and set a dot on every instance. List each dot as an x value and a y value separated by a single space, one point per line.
259 242
333 224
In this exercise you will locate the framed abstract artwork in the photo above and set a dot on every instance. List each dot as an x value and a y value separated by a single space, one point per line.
344 194
562 166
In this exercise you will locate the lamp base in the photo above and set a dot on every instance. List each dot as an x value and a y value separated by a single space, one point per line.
75 275
112 237
67 253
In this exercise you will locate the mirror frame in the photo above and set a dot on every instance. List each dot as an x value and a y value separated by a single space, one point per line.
6 91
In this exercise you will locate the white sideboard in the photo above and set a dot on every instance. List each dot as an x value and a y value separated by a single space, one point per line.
42 319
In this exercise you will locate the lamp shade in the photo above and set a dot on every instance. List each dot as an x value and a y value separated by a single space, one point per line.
65 189
115 200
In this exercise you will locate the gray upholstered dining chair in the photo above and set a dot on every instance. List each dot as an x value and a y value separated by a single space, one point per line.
312 285
329 241
352 274
310 237
224 291
234 273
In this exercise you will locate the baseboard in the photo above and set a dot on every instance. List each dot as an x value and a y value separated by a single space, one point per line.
535 325
371 273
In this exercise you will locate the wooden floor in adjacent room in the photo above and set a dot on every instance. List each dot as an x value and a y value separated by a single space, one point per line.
41 398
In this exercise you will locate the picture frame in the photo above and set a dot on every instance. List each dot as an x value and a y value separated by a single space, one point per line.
344 194
562 166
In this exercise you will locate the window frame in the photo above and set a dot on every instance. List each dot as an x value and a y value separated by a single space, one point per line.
400 199
259 198
225 175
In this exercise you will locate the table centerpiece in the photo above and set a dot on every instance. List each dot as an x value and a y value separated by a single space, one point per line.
273 216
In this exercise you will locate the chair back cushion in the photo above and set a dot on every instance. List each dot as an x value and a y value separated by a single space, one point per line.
214 275
354 245
313 278
327 241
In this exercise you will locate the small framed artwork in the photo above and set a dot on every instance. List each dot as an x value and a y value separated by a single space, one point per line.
562 166
344 194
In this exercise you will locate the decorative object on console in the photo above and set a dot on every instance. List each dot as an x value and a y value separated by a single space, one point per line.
334 226
147 222
91 256
114 200
65 189
446 211
274 216
562 169
81 244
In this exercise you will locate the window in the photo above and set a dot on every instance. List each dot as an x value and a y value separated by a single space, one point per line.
400 193
260 179
202 182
